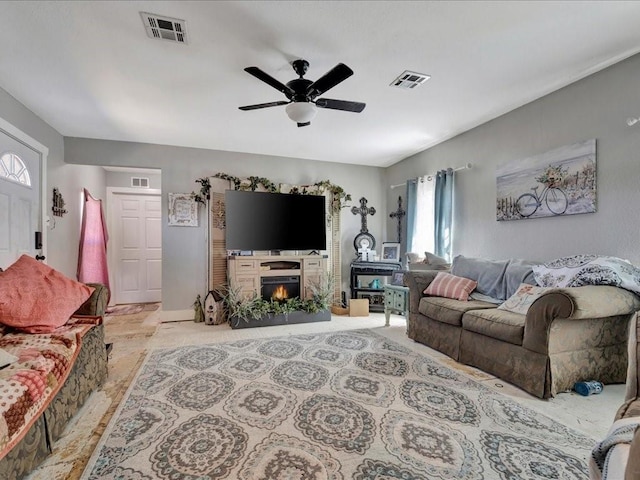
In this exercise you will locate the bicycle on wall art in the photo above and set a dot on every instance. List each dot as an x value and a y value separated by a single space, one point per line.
556 183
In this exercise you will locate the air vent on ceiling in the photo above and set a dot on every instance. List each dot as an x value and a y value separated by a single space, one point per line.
140 182
164 28
409 80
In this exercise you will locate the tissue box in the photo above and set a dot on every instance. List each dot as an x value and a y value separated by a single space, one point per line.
359 307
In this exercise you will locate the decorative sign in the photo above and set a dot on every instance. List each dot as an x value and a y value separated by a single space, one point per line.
183 210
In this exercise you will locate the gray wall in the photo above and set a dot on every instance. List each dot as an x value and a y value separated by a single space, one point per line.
62 240
123 179
184 249
595 107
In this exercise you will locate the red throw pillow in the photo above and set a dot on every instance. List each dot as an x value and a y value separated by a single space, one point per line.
35 298
451 286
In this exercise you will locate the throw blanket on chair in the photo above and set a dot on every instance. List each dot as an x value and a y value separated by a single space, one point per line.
28 385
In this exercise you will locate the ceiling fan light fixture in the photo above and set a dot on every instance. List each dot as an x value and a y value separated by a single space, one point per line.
301 112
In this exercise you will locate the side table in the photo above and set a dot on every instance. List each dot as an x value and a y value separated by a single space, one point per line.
396 299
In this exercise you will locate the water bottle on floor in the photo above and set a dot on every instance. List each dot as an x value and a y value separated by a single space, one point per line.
585 389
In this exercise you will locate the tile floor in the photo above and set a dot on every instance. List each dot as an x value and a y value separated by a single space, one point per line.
133 337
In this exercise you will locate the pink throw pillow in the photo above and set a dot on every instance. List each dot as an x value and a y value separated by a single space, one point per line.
35 298
451 286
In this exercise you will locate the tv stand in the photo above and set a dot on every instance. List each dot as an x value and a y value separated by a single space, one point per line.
246 273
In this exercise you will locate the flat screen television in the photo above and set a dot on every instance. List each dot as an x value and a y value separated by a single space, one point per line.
274 221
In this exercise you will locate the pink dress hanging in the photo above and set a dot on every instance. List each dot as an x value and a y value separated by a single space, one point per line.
92 256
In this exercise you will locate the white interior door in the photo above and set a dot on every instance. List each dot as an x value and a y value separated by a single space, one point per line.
137 242
20 199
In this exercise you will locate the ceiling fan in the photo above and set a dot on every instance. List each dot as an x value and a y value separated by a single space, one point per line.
301 93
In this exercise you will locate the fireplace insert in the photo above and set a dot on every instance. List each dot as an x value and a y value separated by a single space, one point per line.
280 288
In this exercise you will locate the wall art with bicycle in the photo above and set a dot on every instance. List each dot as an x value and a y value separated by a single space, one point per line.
556 183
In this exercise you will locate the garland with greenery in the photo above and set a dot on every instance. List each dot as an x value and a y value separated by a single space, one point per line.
339 197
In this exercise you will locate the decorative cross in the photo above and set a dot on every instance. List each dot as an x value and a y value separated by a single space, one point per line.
398 214
363 211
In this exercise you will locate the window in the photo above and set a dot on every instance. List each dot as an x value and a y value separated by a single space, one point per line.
13 168
422 238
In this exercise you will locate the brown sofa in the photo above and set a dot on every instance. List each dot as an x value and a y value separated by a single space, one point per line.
88 372
568 335
617 457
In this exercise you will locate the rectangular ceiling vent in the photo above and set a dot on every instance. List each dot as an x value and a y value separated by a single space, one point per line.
164 28
140 182
408 80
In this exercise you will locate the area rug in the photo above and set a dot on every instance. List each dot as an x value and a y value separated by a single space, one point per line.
340 405
131 309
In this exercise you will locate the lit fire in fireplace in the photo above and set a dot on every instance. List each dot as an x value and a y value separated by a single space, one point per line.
280 293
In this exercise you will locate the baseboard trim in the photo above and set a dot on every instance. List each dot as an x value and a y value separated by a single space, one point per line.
176 315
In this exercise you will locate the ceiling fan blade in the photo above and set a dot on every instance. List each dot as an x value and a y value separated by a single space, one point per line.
343 105
269 80
329 80
263 105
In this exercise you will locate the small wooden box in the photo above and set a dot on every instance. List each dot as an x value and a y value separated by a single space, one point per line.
359 307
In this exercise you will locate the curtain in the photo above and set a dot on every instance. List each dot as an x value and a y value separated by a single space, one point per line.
443 216
420 211
411 213
92 255
424 225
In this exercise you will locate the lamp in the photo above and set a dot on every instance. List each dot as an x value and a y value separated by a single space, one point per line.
632 121
301 112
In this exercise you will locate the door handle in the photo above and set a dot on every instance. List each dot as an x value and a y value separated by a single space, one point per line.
40 257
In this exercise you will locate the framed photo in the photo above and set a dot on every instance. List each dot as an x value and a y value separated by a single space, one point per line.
183 210
390 252
397 278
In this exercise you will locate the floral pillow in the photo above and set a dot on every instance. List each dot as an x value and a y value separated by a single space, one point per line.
524 297
450 286
580 270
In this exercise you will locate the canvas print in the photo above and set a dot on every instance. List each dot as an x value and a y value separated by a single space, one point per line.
556 183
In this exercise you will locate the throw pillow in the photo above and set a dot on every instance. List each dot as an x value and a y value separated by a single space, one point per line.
432 259
35 298
413 257
6 358
524 297
580 270
450 286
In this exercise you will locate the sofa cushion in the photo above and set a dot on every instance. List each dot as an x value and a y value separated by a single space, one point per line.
495 323
447 310
35 298
450 286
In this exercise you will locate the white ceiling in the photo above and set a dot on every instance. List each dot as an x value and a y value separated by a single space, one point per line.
89 70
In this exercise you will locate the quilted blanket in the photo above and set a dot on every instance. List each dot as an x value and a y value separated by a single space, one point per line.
28 385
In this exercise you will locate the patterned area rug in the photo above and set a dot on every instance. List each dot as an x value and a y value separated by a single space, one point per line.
341 405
